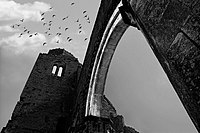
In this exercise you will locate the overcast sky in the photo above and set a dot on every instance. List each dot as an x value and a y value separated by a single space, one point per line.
136 83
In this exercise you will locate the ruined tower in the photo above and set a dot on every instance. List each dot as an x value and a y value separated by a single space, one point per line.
46 101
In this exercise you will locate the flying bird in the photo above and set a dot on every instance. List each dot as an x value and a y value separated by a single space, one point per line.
88 20
65 18
53 15
44 43
28 31
79 31
12 26
85 39
51 8
44 23
42 14
59 34
18 25
42 19
72 3
66 29
21 20
84 11
20 35
77 20
57 41
30 35
35 33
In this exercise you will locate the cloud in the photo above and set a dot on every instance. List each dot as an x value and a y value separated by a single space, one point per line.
20 44
8 28
10 10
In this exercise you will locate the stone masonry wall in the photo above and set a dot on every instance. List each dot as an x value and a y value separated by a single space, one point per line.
46 100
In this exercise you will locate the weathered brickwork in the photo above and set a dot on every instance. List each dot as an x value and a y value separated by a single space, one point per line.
47 99
172 28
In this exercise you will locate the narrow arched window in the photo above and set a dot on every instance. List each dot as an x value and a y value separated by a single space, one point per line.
54 69
60 71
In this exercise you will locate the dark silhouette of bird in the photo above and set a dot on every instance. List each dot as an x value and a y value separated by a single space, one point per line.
49 28
84 11
79 27
28 31
79 31
12 26
25 30
30 35
51 8
50 24
44 23
59 34
70 39
46 32
59 27
44 43
35 33
85 16
57 41
85 39
88 20
66 28
20 34
72 3
77 20
53 15
49 34
42 14
22 20
18 25
42 19
50 21
65 18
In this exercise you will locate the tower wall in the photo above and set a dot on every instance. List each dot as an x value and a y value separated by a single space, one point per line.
48 96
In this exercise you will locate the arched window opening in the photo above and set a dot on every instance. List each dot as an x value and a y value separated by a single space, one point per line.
54 69
60 72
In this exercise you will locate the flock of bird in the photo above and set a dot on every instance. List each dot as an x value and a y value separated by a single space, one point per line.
48 26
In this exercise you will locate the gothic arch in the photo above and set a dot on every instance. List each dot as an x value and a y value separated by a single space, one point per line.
165 32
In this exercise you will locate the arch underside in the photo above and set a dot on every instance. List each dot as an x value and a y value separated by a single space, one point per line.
170 41
112 36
